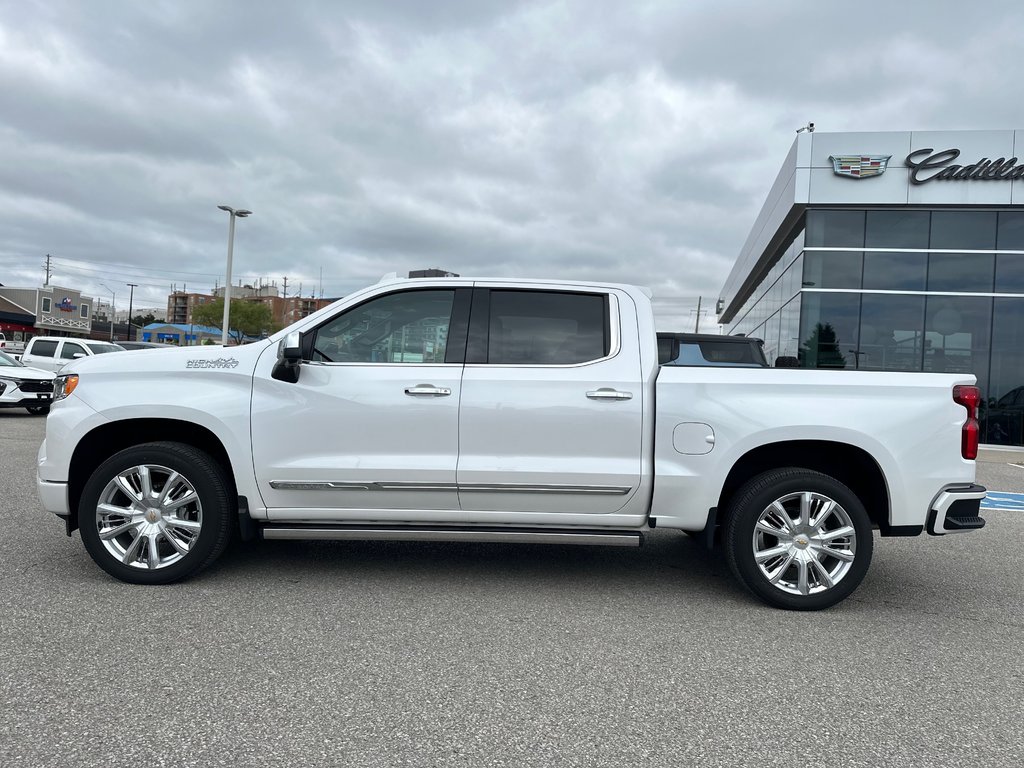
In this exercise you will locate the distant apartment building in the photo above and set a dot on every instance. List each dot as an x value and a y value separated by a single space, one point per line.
431 272
283 311
181 305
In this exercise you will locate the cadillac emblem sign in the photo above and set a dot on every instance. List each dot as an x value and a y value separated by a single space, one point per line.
859 166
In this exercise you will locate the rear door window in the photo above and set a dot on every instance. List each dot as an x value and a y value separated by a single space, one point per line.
547 328
44 348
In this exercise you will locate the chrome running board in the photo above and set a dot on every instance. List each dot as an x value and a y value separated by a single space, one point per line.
422 533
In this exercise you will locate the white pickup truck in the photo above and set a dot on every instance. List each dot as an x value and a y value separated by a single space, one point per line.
503 411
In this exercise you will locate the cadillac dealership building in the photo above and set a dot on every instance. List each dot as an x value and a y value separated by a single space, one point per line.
895 252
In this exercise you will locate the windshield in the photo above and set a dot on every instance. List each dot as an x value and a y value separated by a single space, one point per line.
99 349
8 361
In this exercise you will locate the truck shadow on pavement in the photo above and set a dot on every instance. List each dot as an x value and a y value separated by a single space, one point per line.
669 559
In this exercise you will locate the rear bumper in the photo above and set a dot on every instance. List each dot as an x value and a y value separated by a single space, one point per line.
955 510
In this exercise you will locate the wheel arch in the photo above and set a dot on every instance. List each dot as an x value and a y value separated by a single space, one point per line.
107 439
852 466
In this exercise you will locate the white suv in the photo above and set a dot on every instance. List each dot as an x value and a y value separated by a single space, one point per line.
51 353
22 387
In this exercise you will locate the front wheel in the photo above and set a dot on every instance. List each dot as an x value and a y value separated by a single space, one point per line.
156 513
798 539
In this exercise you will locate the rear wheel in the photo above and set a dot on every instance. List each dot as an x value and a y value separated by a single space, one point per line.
38 410
798 539
156 513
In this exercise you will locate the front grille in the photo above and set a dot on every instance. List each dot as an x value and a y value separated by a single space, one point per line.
36 386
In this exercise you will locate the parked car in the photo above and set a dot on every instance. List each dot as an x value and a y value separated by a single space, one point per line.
11 347
24 387
504 410
51 353
710 349
135 345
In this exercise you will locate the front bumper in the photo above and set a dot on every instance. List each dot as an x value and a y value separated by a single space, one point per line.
54 496
27 401
955 510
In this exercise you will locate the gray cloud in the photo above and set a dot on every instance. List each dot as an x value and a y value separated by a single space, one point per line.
611 141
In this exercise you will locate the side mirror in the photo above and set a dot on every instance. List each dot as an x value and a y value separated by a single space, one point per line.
78 356
289 358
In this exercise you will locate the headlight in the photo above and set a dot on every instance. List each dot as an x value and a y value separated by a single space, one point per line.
64 386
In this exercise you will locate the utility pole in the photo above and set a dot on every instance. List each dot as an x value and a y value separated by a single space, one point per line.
321 282
131 297
696 326
48 270
285 278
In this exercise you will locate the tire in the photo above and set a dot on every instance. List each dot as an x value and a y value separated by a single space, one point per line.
812 561
38 410
168 511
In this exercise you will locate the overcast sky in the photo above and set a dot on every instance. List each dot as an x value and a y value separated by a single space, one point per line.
624 141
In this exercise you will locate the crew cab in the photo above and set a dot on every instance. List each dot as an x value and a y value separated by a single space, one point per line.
51 353
535 411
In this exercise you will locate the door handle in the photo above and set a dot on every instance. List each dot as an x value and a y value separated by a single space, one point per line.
606 393
427 389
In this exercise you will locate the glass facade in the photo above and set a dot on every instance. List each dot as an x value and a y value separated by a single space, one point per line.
903 290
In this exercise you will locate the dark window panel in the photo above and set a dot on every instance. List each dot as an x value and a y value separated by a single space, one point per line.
832 269
828 330
546 328
789 329
895 271
891 333
961 272
1011 231
838 229
968 230
897 229
1004 414
1010 272
957 332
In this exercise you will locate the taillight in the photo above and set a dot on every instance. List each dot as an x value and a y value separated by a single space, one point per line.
969 398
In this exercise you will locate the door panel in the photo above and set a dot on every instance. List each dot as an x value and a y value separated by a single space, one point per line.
349 437
372 423
549 438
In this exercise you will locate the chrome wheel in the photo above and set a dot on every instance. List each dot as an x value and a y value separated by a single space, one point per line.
804 543
149 516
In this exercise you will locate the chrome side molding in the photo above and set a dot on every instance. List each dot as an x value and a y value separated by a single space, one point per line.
330 485
486 535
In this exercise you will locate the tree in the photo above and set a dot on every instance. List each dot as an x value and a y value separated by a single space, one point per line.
821 348
143 320
248 318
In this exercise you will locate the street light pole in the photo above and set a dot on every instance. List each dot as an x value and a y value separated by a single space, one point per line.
239 213
131 298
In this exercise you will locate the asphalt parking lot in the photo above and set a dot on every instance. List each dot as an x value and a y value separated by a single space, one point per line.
378 654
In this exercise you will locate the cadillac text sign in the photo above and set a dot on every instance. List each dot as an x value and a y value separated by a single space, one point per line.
928 165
